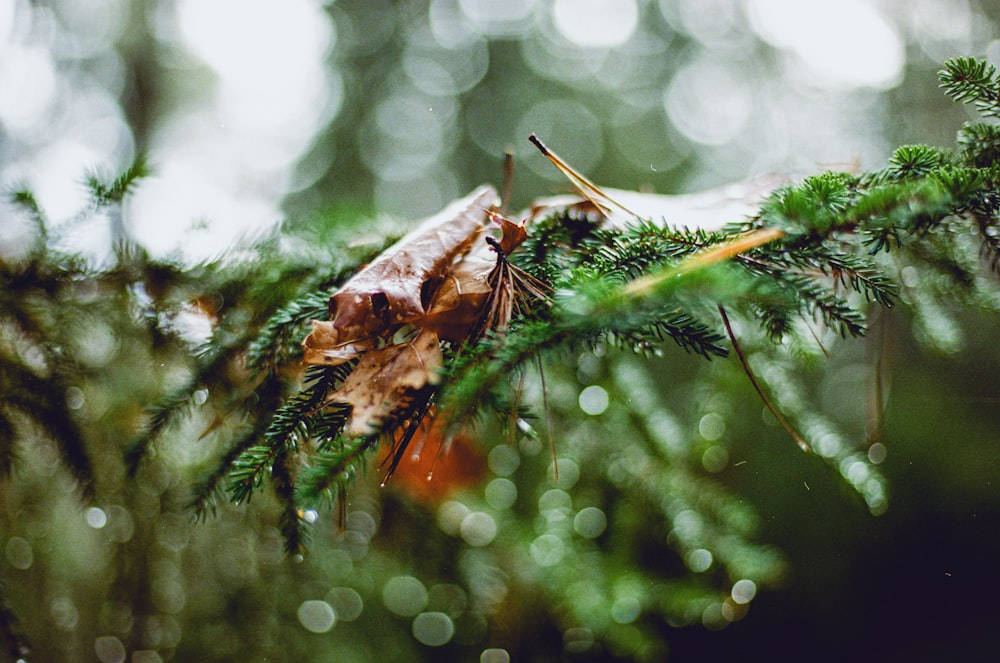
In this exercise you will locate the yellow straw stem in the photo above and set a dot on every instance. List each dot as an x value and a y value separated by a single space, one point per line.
643 285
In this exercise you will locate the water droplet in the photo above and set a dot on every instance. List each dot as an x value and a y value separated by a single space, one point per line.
433 628
316 616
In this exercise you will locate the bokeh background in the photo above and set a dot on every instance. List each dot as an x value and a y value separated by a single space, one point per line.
257 114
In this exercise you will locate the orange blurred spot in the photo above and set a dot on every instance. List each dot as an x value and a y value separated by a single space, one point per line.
432 468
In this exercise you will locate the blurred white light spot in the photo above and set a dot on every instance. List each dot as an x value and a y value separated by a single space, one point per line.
547 550
184 210
569 128
709 103
712 617
7 12
503 459
27 87
841 42
449 599
554 501
699 560
596 23
54 176
260 39
712 426
688 525
109 649
626 609
494 655
569 473
18 552
478 529
715 459
433 628
501 493
590 522
310 515
64 612
347 604
828 445
577 640
877 453
121 525
594 400
405 596
75 398
450 516
499 19
363 523
743 591
447 72
316 616
168 595
146 656
96 517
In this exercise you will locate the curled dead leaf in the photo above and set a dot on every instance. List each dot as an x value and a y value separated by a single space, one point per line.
397 287
382 378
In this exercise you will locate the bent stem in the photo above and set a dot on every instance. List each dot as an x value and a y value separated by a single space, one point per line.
799 440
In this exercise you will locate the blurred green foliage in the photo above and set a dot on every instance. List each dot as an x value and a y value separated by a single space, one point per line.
684 522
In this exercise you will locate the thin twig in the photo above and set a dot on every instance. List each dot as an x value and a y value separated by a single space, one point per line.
756 385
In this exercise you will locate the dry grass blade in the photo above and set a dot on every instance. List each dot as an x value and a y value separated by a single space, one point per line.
593 193
799 440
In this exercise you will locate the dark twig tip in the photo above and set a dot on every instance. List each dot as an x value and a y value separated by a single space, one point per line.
538 143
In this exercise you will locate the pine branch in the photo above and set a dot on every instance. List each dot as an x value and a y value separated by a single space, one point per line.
280 338
333 466
969 80
106 192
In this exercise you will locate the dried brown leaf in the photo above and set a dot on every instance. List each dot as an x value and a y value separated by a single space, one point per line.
377 384
397 287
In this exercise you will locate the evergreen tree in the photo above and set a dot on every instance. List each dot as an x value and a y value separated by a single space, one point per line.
238 420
